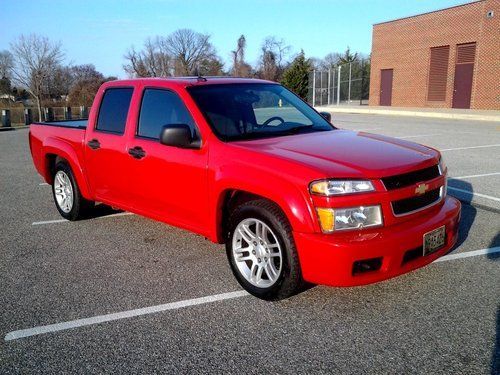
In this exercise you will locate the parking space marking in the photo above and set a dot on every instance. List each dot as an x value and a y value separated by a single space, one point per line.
121 315
470 147
476 175
467 254
19 334
476 194
418 136
66 221
49 222
365 129
43 184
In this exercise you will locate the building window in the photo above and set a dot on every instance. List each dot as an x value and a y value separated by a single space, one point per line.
438 73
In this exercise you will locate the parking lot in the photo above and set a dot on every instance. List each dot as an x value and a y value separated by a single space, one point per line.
121 293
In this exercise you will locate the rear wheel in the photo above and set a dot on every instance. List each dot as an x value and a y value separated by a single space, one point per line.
261 251
67 196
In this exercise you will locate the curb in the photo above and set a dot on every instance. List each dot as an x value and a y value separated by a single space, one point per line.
453 116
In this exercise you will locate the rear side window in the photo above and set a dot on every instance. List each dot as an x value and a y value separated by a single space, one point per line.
159 108
114 109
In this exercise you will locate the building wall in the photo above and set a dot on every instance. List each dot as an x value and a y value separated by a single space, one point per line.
404 45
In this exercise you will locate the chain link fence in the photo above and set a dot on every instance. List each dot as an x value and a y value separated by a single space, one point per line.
342 84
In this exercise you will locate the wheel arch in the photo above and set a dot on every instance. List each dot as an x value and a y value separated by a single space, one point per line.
56 150
294 209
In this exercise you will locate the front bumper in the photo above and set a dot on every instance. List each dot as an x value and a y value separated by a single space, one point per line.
329 258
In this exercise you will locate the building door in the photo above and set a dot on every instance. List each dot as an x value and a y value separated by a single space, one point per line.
385 87
464 72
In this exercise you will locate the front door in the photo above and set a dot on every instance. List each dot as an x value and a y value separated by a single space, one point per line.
464 71
169 183
386 86
105 147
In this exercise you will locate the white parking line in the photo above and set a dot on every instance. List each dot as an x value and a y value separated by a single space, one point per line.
419 135
476 194
467 254
66 221
121 315
470 147
475 175
14 335
365 129
43 184
49 222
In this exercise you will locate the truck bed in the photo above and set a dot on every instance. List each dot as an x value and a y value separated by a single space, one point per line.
79 124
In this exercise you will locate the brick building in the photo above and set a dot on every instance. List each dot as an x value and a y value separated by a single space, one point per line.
448 58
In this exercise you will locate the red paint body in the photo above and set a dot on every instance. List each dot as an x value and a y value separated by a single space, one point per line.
187 188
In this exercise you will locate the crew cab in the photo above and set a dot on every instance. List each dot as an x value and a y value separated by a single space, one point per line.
247 163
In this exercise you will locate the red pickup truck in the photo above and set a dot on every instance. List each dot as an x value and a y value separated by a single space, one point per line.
245 162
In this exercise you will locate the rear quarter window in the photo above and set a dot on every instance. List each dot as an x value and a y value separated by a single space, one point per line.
114 109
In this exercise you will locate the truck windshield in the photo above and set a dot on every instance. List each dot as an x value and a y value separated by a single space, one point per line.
239 111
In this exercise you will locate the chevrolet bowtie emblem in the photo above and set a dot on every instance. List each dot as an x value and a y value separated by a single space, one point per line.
421 189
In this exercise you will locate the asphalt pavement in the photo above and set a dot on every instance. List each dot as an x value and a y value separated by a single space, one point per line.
441 319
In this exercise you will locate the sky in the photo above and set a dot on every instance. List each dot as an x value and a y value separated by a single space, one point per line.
101 31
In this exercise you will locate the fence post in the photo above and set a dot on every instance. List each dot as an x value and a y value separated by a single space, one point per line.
320 88
67 113
28 116
338 86
329 85
48 114
362 82
349 93
5 118
84 112
314 88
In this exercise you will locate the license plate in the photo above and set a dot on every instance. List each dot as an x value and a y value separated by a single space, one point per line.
434 240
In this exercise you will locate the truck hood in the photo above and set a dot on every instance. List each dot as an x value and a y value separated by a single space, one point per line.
345 153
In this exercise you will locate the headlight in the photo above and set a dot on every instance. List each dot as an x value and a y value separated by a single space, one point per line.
442 165
332 219
339 187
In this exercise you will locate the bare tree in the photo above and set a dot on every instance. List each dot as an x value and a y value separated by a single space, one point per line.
85 72
6 64
152 61
189 49
35 59
273 59
240 67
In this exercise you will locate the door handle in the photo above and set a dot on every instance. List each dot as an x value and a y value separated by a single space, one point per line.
94 144
137 152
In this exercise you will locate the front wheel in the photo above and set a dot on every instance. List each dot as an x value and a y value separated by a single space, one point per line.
261 251
67 196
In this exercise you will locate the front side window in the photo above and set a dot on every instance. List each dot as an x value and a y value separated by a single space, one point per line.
255 110
114 110
161 108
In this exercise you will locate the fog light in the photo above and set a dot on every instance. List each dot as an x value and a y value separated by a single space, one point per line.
349 218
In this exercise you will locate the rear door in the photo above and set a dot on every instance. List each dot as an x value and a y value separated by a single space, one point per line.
169 183
105 147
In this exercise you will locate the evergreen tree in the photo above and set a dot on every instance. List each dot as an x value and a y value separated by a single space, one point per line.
296 77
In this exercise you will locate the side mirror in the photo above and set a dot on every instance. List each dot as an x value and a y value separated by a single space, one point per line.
178 135
327 116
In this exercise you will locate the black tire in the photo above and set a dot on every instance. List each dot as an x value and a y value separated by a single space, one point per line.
290 280
81 207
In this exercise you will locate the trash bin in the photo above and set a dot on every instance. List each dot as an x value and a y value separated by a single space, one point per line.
5 114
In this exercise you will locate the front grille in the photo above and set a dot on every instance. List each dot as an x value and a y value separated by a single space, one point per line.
411 178
408 205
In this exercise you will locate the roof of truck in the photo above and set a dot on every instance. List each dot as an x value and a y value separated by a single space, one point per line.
189 81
